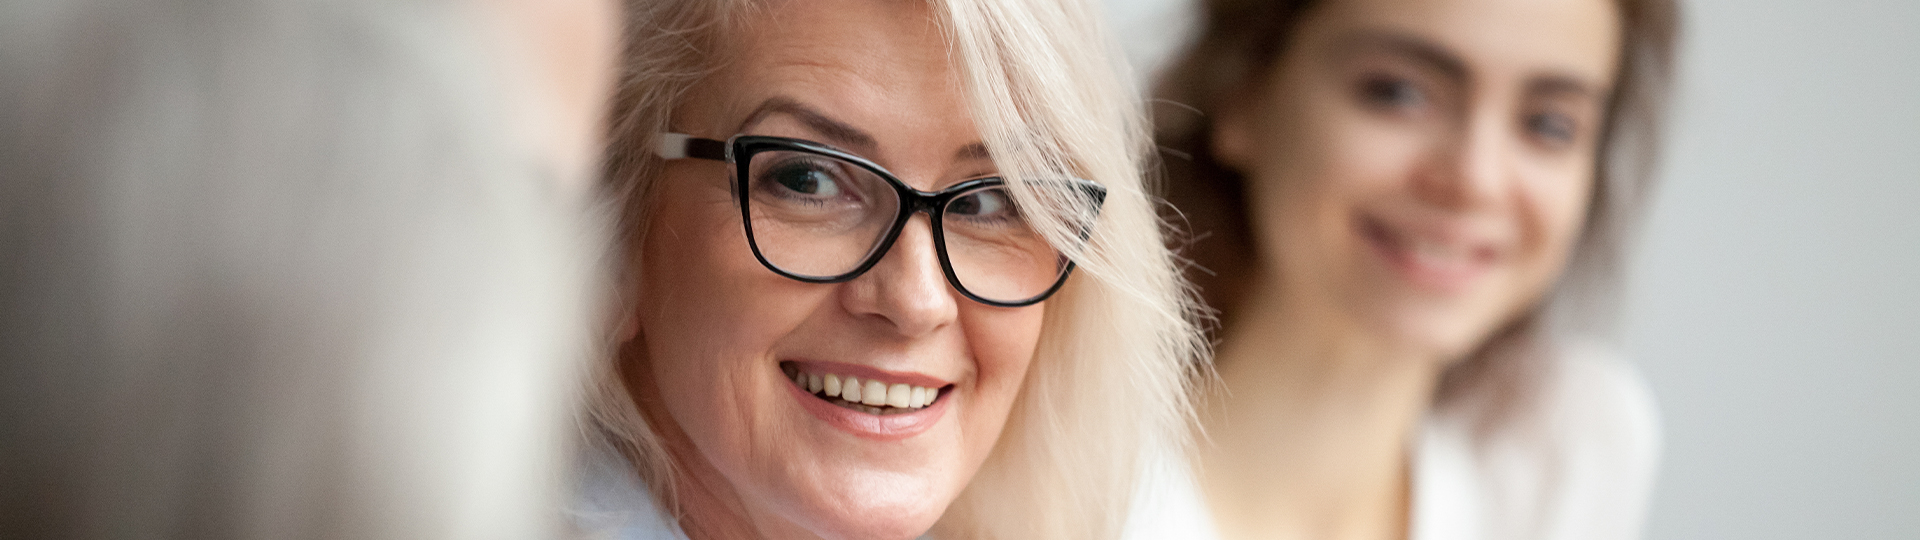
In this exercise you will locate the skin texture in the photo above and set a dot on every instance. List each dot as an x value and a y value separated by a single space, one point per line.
714 324
1419 171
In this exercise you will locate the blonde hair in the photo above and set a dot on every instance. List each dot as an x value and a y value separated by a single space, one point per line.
1109 381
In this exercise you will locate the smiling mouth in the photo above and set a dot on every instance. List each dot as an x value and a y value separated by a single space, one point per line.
1444 264
864 395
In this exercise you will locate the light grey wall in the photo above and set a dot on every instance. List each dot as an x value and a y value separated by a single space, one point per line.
1775 304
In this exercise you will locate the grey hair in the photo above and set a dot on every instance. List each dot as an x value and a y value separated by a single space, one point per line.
277 270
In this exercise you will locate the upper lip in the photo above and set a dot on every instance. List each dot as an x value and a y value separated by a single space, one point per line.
870 373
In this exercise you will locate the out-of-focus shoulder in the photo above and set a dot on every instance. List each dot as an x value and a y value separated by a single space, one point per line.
1575 461
1167 502
1596 399
1605 428
611 502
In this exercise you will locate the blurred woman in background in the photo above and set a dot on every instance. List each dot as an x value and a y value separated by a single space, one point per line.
890 269
1410 216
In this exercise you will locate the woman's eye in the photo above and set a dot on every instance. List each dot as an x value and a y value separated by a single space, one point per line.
806 179
990 203
1391 92
1555 129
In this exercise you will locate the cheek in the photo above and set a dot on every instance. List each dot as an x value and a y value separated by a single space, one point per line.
1555 205
1002 344
1553 208
708 314
1322 163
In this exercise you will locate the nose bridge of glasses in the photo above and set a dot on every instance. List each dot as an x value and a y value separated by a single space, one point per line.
920 201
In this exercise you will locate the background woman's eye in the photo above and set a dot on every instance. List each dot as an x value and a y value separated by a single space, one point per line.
1391 92
1553 128
806 179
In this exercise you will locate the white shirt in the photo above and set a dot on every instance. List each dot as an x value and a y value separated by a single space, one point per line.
1167 503
1577 466
611 503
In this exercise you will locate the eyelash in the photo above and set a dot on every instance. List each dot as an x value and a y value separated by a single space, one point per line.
770 186
1553 128
1391 92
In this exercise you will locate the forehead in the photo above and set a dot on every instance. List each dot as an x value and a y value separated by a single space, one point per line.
1578 38
881 66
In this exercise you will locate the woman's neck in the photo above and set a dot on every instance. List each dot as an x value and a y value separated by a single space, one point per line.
1309 433
707 513
710 510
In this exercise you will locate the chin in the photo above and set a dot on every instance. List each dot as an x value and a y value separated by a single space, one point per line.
899 518
1447 333
849 499
892 529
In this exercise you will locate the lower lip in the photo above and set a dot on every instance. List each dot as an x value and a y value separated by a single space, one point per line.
1453 278
878 427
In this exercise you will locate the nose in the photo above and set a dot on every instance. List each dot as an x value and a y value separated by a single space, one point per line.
1469 168
906 290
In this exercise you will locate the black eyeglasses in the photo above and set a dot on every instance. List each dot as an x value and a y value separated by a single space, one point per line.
821 215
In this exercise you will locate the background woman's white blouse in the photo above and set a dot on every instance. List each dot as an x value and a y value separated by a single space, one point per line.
1578 466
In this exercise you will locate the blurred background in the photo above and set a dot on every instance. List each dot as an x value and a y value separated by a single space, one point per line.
1774 299
1775 302
303 269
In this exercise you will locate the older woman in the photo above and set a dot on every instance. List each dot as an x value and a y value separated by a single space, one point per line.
890 271
1389 193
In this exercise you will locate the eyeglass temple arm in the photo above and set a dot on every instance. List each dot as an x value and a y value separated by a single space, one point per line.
682 146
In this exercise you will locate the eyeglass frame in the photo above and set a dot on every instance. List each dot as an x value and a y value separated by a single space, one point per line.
912 201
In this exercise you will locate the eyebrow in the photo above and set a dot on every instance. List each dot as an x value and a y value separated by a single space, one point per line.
1438 58
971 152
837 132
1557 84
1428 53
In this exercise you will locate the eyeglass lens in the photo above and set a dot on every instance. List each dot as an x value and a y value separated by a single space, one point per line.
821 217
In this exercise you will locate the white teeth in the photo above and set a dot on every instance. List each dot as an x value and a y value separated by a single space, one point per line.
874 394
899 395
870 396
850 390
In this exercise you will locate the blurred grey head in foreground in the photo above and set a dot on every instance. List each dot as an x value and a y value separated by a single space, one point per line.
280 270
